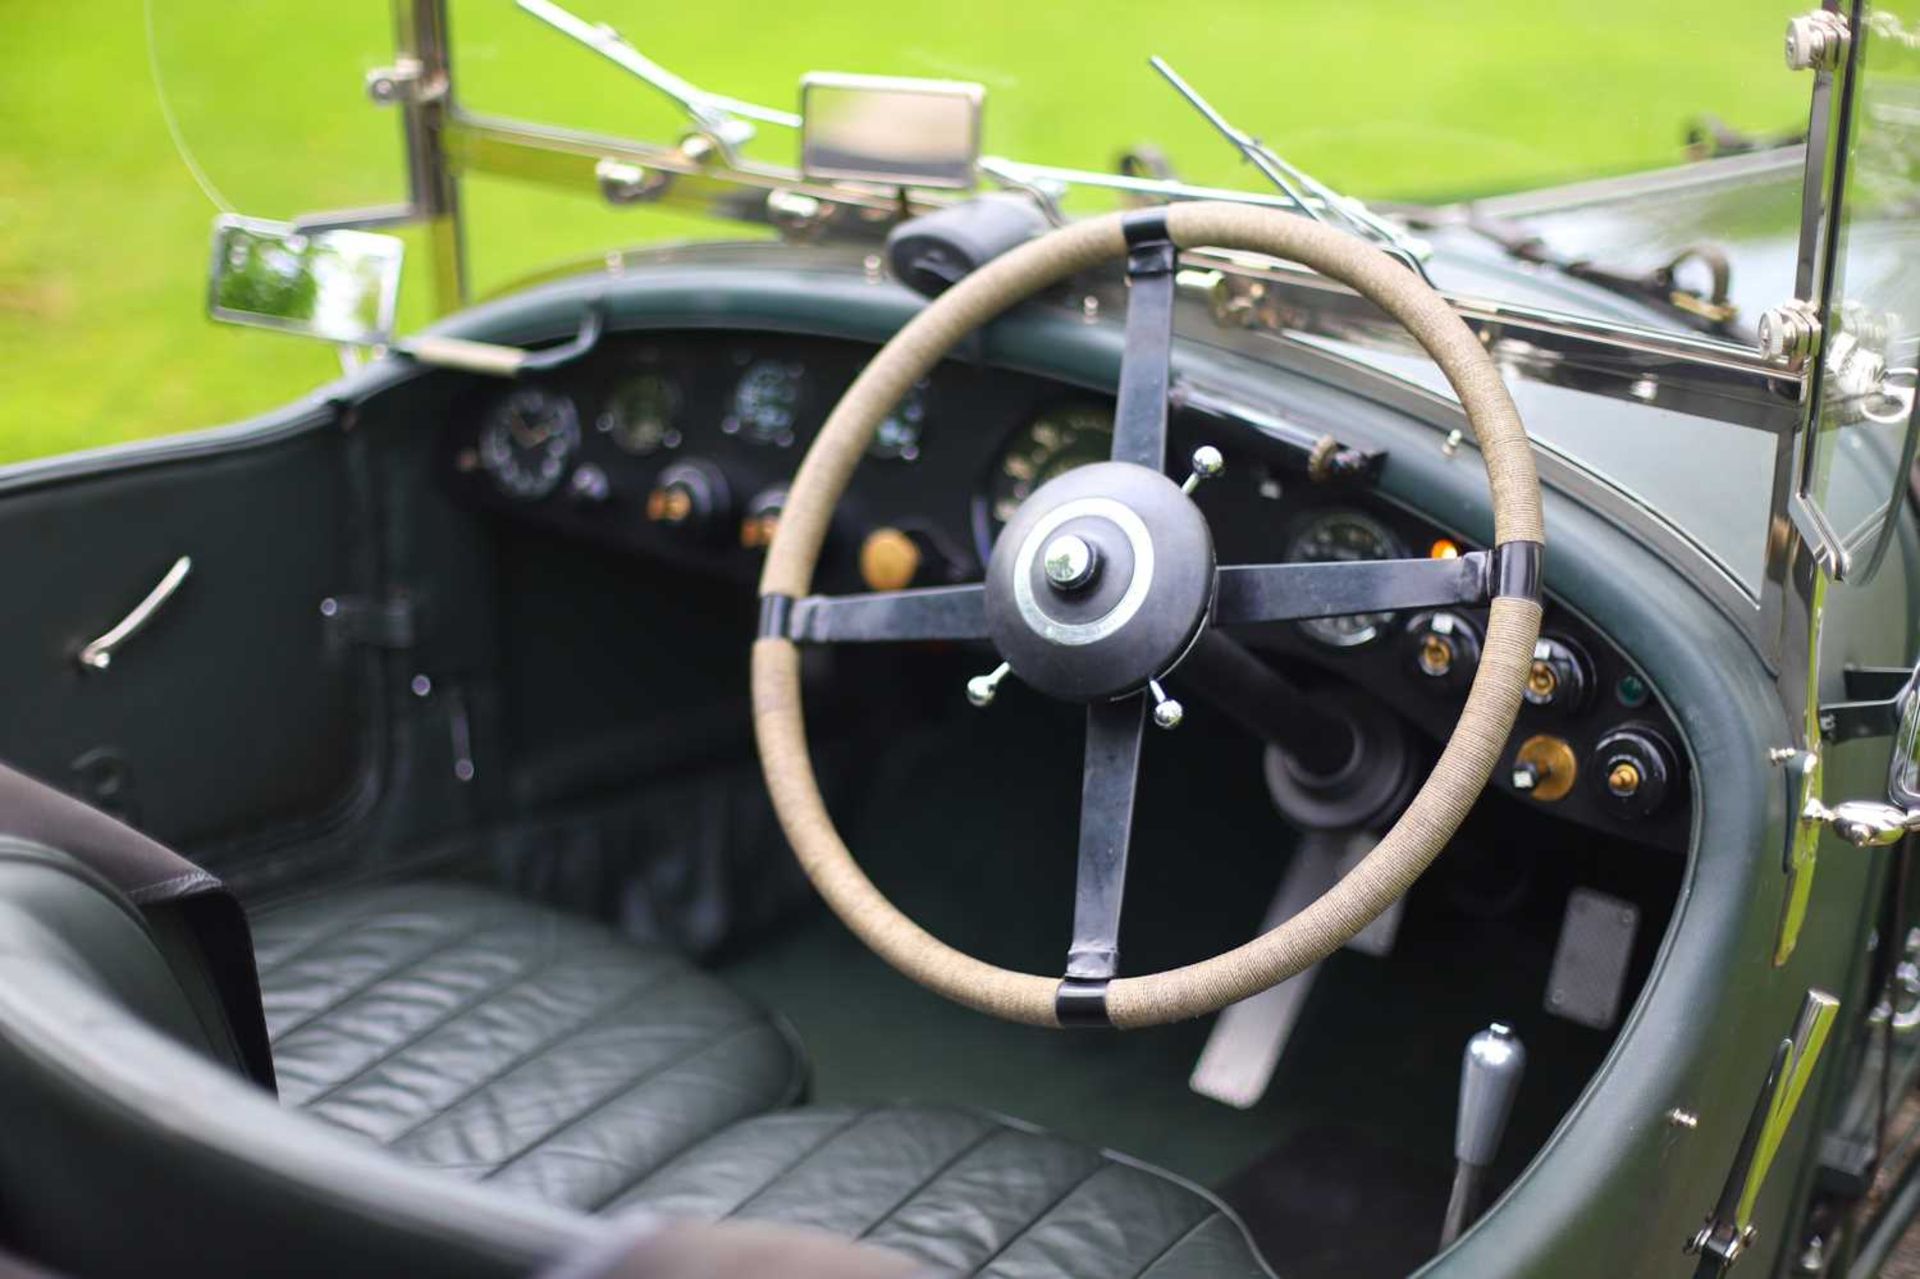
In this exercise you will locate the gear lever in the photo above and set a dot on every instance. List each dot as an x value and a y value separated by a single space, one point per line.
1490 1073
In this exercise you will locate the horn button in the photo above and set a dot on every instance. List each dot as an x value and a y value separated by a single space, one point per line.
1100 582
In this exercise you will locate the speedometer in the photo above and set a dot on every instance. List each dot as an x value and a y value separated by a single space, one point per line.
1054 443
1343 537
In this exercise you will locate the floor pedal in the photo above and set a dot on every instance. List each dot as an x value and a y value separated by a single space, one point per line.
1589 973
1249 1038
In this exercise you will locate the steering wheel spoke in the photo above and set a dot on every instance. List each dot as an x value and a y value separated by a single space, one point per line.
1252 593
1115 731
1140 413
924 613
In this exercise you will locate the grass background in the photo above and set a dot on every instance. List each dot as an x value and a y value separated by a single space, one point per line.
103 232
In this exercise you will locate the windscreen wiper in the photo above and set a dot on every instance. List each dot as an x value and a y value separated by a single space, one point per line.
1313 198
721 118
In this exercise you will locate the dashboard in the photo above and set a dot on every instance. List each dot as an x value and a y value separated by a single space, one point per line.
679 446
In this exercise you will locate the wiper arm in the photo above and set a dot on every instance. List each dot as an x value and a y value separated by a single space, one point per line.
721 117
1313 198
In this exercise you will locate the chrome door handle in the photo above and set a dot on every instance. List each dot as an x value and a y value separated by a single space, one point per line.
98 655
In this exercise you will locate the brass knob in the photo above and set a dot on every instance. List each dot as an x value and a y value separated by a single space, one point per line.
671 504
756 531
1542 681
1436 654
1624 780
889 560
1545 767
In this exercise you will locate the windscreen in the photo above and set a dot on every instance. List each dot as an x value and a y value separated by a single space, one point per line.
1402 102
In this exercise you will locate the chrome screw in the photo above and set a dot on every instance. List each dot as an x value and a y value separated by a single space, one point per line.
981 688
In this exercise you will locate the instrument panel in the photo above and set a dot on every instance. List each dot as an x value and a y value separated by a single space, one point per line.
680 447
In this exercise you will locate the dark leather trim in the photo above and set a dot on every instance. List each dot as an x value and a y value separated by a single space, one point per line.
1516 570
197 922
1081 1003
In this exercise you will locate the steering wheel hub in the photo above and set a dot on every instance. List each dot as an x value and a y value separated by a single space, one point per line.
1101 581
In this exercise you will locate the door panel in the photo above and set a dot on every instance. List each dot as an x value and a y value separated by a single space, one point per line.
235 713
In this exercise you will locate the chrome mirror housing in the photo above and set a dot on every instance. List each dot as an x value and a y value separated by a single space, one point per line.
890 129
338 285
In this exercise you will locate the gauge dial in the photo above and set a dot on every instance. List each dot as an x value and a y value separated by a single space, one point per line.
766 402
640 414
898 436
1052 444
528 440
1343 537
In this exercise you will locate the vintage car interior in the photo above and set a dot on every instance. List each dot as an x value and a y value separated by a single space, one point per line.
398 835
493 714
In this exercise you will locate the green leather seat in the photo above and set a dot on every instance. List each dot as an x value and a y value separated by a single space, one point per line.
488 1038
469 1086
482 1036
964 1192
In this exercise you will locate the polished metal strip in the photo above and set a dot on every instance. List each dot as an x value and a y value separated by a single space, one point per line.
98 655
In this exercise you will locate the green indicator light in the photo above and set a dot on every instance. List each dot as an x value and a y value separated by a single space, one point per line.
1631 690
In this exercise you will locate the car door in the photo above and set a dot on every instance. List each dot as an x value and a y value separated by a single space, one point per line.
244 713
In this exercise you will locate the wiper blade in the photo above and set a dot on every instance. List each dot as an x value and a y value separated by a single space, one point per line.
713 112
1313 198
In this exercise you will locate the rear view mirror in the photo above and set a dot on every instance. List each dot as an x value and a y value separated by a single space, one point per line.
335 284
887 129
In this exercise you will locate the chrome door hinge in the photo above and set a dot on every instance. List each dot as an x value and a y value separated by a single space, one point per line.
1729 1230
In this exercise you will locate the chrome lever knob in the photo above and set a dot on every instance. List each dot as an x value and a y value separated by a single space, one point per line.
981 689
1167 712
1207 463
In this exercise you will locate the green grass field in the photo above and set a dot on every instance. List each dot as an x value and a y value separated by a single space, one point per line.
103 232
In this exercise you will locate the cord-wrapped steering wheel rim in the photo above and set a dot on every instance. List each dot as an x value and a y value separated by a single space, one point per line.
1437 808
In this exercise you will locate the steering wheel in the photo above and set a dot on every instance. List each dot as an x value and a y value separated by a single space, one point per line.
1102 582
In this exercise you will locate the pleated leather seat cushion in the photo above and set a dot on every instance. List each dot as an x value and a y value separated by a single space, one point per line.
965 1192
502 1042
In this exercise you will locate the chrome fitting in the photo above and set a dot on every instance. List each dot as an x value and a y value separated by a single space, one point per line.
1790 333
1816 41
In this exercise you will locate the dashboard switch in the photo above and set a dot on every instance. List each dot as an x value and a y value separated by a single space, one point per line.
1443 649
690 498
1545 768
762 519
1559 677
1633 768
890 559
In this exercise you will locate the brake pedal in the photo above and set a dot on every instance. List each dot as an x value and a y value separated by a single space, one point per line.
1248 1038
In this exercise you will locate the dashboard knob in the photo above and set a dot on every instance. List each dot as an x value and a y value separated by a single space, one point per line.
690 498
1559 677
1545 768
762 519
1444 651
890 559
1633 769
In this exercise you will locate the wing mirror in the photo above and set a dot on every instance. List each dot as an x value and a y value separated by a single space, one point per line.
338 285
1867 823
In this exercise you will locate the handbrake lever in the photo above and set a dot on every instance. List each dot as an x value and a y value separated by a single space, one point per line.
1490 1072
